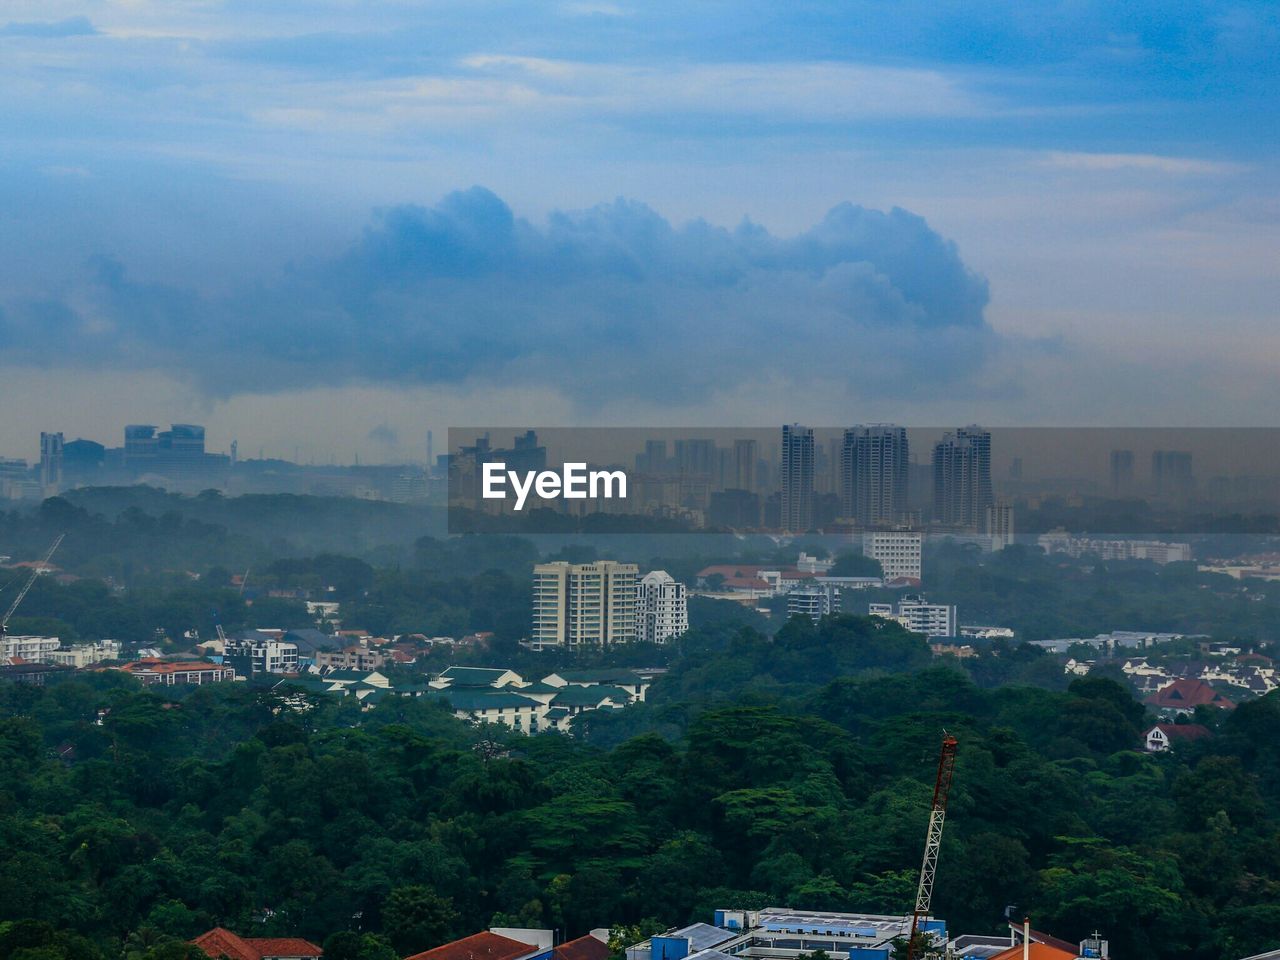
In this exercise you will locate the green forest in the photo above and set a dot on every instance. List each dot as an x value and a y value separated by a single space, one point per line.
788 770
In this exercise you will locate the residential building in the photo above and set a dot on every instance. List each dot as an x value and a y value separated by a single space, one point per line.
999 525
258 652
1163 736
355 657
220 942
1122 473
898 552
490 945
50 462
1171 473
796 505
919 616
813 602
27 649
584 604
86 654
743 473
962 477
662 609
1183 696
153 672
873 474
1157 551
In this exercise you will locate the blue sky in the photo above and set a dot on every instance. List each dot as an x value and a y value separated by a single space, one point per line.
261 215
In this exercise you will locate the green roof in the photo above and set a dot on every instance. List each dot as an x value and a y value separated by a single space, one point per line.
590 696
473 676
536 687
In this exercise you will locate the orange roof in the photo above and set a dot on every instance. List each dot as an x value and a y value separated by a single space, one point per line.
478 946
584 948
162 666
1184 694
221 942
1038 951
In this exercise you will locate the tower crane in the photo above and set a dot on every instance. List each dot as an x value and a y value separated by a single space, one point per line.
35 572
933 839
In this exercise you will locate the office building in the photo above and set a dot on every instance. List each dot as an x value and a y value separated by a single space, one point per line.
662 610
50 461
796 505
873 474
584 604
962 478
919 616
898 552
140 446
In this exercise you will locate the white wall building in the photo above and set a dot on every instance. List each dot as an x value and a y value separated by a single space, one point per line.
898 552
584 604
662 607
86 654
919 616
28 649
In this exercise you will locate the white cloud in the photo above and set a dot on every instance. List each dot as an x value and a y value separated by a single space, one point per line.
1146 162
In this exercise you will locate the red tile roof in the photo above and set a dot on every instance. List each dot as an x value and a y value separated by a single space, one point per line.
220 942
478 946
1038 951
1185 694
584 948
1184 731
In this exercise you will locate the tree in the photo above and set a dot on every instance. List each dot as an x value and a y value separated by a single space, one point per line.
416 918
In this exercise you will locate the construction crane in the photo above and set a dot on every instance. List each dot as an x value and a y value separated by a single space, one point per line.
35 572
933 839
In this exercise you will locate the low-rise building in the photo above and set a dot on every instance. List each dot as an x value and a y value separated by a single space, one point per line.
220 943
1163 736
153 672
86 654
354 657
1183 696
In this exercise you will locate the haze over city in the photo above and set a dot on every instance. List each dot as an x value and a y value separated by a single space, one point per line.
325 229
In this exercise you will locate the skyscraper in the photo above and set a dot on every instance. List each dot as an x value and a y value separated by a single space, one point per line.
1171 472
1121 472
744 465
962 477
584 604
796 514
50 461
873 474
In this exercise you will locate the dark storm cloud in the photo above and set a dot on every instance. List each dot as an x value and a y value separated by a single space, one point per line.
614 299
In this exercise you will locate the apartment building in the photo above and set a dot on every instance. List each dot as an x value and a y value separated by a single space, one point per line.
584 604
662 607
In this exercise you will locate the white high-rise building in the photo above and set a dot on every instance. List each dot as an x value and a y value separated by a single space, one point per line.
662 608
918 616
898 551
584 604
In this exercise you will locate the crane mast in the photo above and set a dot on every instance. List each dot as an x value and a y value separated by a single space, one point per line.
26 587
933 839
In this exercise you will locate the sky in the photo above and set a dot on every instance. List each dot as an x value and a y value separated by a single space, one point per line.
322 228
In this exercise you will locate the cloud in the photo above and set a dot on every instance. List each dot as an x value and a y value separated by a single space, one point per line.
384 434
610 302
51 29
1145 162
